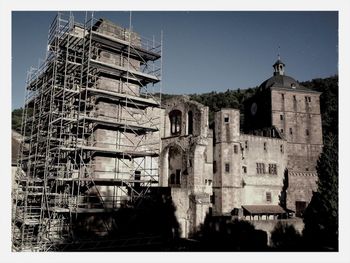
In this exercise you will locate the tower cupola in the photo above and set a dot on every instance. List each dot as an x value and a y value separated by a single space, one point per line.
278 67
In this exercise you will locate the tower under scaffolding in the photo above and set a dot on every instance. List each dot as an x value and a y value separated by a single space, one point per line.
91 123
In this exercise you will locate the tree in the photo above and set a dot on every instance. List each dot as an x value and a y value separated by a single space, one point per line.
17 119
321 216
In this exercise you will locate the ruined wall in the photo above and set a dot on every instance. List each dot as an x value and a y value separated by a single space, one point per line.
187 153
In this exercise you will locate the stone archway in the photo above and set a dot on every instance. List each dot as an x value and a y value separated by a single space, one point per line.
173 165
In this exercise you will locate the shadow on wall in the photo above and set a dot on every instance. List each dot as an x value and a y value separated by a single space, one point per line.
149 225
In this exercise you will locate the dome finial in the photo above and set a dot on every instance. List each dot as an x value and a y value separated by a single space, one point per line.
279 65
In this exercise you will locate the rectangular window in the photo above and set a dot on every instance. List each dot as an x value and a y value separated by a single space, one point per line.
260 168
281 117
227 167
265 147
244 169
172 179
246 144
281 148
214 167
307 132
282 130
178 177
212 198
294 98
235 149
226 119
268 197
290 131
272 168
282 96
309 99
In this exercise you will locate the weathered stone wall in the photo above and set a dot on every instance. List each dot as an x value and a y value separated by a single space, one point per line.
301 186
119 60
236 180
117 86
268 151
109 28
192 154
180 197
297 113
228 158
200 115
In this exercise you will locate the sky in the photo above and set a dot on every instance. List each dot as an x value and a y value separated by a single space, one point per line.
204 51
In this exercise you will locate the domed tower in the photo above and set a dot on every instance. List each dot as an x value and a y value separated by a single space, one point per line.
295 112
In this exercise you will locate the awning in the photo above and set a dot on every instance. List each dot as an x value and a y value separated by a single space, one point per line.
263 209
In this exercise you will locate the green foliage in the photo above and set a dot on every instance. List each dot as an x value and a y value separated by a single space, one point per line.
17 119
321 216
328 102
218 100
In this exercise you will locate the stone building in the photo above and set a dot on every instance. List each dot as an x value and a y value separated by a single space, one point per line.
294 111
263 170
187 160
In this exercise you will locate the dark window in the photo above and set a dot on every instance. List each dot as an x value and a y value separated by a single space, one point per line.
260 168
294 98
235 149
305 99
290 131
281 148
227 167
281 117
212 199
268 197
307 132
246 144
265 148
172 179
272 168
214 167
226 119
190 162
190 122
309 99
300 207
282 131
175 122
137 178
244 169
282 96
178 177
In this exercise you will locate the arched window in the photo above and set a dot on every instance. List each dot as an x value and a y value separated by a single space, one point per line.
175 122
190 122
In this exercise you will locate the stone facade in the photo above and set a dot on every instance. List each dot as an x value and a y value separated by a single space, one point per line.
272 163
248 169
186 161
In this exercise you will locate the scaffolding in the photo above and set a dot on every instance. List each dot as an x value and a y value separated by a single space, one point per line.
91 124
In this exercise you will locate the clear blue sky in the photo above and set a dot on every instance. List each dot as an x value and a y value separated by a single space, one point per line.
204 51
